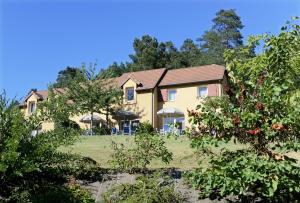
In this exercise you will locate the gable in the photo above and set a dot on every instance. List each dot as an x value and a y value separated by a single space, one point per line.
147 79
129 83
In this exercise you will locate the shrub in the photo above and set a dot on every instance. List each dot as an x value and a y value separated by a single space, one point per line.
71 193
257 112
145 127
146 148
101 130
248 175
150 189
30 163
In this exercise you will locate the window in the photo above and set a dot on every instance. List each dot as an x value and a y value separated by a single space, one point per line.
171 95
130 94
202 91
32 107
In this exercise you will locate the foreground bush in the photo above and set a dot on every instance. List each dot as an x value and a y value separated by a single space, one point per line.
148 189
249 176
259 113
30 164
146 147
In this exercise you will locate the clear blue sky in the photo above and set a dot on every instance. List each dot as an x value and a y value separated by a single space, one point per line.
40 37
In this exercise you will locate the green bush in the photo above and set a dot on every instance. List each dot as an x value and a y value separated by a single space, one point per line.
145 127
146 147
72 193
29 164
257 112
148 189
248 175
101 131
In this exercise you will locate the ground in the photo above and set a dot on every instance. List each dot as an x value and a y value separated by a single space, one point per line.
184 158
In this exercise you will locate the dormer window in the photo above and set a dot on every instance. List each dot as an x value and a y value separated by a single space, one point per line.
32 107
202 91
172 95
129 93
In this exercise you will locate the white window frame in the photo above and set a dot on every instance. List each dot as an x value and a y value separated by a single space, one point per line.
126 91
198 91
170 90
31 110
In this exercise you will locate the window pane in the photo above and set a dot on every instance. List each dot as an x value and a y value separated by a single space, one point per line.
171 95
203 91
130 94
31 107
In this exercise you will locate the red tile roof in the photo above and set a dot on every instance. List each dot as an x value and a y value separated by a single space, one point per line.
43 94
194 74
148 79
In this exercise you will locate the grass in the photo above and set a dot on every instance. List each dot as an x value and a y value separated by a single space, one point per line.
99 149
184 157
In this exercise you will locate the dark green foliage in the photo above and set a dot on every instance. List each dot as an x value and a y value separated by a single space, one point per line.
224 34
94 95
149 189
149 53
146 147
190 54
67 75
260 114
30 164
103 130
72 193
112 71
67 124
145 127
245 173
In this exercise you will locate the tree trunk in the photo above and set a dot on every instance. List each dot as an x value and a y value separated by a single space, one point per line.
107 116
91 124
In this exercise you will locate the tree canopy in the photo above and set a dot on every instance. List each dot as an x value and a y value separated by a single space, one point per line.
93 94
65 76
224 34
258 112
149 53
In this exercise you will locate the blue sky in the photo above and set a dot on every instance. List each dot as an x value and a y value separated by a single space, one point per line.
40 38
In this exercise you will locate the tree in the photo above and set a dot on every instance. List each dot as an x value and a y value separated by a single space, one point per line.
260 114
24 156
114 70
148 54
67 75
191 54
173 57
224 34
93 95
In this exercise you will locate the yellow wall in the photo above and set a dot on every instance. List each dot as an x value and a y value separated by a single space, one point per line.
186 99
145 104
33 98
142 103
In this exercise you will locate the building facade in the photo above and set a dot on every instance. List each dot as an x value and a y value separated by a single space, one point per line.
158 96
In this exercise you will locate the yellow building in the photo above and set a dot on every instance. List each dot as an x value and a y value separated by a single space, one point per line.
159 96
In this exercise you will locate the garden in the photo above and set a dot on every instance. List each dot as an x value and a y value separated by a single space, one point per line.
242 147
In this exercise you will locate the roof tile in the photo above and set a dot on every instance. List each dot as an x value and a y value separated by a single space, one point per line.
193 74
147 78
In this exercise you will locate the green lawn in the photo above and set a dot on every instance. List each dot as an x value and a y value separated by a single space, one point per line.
99 149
